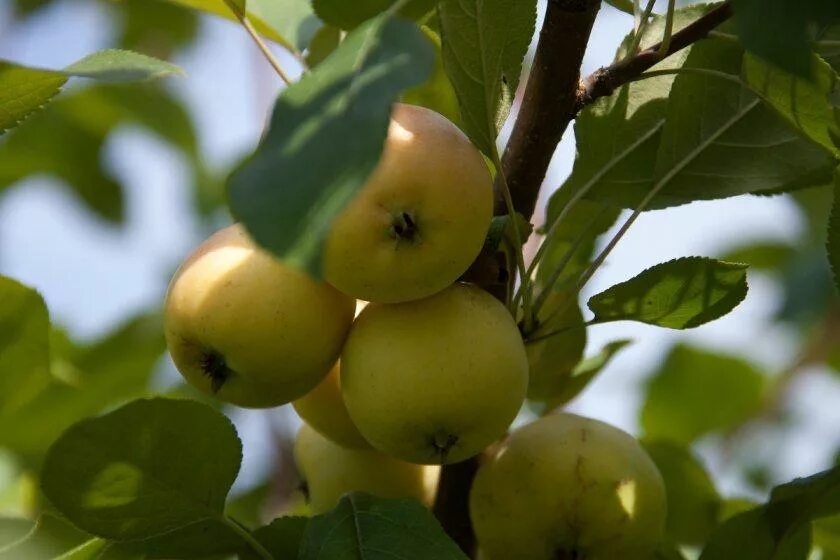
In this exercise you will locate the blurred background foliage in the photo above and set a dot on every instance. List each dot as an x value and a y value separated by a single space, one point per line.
724 424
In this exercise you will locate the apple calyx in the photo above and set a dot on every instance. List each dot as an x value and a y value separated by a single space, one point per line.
403 227
214 366
443 442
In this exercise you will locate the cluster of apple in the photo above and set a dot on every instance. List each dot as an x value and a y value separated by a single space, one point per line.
431 371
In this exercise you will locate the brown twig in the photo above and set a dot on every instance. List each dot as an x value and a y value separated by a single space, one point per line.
607 79
452 505
549 100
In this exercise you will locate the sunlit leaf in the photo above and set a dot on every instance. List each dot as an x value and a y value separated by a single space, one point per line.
148 468
305 170
362 526
484 43
52 538
679 294
695 392
804 103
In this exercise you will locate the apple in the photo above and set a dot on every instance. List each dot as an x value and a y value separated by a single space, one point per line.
421 218
323 408
245 327
330 471
567 487
434 380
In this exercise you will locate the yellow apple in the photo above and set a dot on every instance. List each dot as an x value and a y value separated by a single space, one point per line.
568 487
245 327
434 380
421 218
330 471
323 408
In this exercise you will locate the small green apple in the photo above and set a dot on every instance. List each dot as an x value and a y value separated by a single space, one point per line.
245 327
421 218
323 408
434 380
330 471
567 487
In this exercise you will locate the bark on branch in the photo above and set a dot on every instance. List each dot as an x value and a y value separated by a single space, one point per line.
549 102
606 80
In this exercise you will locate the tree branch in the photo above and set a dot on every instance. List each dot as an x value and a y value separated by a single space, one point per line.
549 102
452 503
606 80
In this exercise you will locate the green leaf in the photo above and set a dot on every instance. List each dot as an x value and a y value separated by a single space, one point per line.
827 534
832 244
625 6
149 467
778 30
585 371
208 538
24 346
436 93
693 502
762 255
291 23
305 170
828 45
237 7
13 529
362 526
804 104
555 347
325 41
23 91
155 27
348 15
678 395
747 536
93 377
484 43
50 538
804 499
115 65
282 538
679 294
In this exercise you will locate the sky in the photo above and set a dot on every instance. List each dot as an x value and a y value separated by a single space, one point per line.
93 275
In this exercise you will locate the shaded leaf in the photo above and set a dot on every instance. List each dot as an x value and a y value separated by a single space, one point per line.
13 529
348 15
323 43
693 502
208 538
282 538
679 294
50 538
24 346
484 43
833 235
436 93
362 526
291 23
149 467
586 371
778 30
761 255
94 377
678 395
305 170
802 103
747 536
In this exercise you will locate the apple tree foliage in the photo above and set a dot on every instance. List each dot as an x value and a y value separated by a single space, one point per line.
95 469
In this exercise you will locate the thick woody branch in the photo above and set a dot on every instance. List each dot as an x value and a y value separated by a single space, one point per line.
549 102
606 80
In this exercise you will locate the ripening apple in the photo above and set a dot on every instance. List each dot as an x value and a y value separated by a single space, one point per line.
421 218
568 487
330 471
245 327
434 380
323 408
